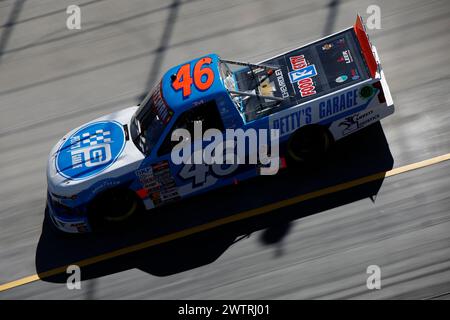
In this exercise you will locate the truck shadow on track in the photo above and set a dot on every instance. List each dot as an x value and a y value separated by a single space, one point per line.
364 153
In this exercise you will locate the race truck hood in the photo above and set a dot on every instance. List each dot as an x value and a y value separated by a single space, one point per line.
98 150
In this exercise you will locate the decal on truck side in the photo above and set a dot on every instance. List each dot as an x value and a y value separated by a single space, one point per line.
321 111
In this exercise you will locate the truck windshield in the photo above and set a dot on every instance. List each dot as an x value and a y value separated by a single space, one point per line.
252 88
149 121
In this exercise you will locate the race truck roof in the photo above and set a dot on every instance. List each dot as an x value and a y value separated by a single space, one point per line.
192 82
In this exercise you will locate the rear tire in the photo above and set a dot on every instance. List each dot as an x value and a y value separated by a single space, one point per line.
309 145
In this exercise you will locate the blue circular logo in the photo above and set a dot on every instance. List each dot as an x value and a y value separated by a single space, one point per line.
90 150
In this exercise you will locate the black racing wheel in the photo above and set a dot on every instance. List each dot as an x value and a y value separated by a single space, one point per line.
114 206
309 144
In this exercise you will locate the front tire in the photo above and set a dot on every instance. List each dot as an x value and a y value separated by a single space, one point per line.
114 206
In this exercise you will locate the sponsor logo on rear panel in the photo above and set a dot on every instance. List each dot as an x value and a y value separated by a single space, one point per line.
305 85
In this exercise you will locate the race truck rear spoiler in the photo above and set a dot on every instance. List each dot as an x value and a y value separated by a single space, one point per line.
366 46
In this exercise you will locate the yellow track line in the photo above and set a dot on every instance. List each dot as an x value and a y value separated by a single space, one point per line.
223 221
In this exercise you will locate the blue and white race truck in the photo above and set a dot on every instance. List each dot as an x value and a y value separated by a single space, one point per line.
106 170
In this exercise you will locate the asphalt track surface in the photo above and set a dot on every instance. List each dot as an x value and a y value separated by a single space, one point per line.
53 79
